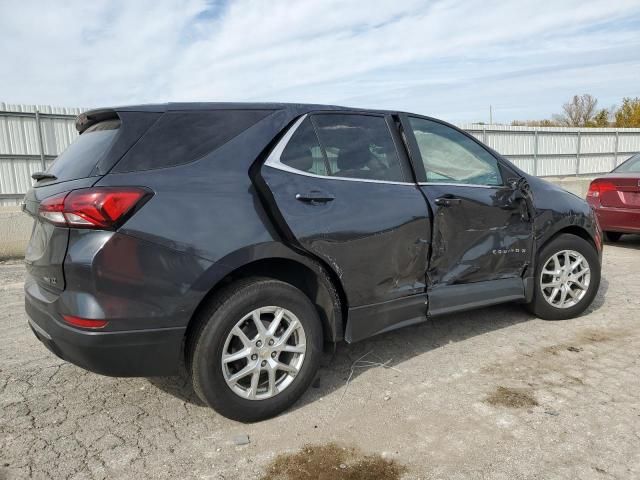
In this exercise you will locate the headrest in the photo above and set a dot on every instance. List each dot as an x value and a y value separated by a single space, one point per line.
353 158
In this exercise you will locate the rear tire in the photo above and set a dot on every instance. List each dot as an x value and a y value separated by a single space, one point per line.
612 236
570 300
237 323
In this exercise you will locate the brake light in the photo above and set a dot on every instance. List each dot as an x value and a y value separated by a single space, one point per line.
84 322
598 187
99 208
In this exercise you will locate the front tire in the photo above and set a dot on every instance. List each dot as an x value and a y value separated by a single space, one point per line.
256 349
567 278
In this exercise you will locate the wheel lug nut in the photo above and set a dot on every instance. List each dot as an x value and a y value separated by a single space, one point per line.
271 342
273 354
264 362
258 344
254 357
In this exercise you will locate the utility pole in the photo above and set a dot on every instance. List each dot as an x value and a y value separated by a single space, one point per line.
490 115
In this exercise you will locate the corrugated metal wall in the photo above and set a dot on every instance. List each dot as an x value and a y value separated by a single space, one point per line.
20 152
556 151
544 151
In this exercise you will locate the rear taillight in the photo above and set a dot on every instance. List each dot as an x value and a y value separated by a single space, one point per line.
598 187
99 207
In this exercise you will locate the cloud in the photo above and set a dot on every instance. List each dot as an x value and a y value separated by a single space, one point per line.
447 58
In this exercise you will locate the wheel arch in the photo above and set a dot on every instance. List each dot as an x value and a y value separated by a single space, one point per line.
281 263
576 230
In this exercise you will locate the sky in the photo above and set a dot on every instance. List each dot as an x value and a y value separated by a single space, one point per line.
445 58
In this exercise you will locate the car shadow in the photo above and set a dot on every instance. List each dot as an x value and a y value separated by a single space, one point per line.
599 300
397 346
179 386
629 241
391 348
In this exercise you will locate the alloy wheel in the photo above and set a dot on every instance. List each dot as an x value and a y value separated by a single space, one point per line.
565 279
263 353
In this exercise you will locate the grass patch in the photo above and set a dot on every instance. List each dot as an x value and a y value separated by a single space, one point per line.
332 462
512 398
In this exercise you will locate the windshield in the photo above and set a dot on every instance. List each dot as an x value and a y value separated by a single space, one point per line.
79 159
630 166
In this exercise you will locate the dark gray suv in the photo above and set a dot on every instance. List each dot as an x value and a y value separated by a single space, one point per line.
236 240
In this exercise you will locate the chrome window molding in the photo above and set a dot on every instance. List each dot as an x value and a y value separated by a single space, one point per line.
273 161
425 184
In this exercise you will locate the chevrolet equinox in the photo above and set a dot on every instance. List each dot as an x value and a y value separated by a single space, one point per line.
234 241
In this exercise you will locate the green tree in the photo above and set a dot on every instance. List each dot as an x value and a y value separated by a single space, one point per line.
600 119
628 115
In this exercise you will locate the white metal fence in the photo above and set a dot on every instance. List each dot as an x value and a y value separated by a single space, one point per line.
31 137
558 151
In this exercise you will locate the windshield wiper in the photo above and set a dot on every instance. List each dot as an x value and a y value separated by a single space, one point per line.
43 176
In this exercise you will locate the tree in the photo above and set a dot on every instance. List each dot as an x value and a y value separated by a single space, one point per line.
578 112
628 115
600 119
535 123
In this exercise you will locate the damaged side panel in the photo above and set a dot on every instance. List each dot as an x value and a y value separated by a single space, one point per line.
486 235
483 234
375 237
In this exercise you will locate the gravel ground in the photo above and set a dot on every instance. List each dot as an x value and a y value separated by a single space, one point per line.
489 394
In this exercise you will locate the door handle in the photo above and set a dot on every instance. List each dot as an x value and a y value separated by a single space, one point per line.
447 202
315 197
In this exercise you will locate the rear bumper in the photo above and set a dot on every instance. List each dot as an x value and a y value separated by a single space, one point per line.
623 220
149 352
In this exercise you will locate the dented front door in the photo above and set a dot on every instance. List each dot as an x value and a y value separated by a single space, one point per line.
479 234
482 229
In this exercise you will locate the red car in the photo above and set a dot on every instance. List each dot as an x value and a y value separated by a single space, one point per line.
616 199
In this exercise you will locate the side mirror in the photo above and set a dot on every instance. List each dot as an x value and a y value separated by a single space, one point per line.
514 183
521 196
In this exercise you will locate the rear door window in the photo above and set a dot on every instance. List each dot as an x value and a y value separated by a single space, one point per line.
358 146
303 151
182 137
80 158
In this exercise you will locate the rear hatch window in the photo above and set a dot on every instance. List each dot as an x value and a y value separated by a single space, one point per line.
81 157
184 136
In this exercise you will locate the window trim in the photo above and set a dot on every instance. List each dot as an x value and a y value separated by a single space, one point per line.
450 184
273 160
418 164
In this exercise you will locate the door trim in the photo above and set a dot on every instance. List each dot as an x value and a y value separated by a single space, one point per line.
369 320
451 184
467 296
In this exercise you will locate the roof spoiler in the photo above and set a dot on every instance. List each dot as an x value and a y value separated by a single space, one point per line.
86 119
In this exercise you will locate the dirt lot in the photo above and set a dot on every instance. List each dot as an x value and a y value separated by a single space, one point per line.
490 394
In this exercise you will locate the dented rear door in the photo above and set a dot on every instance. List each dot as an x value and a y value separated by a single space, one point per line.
340 186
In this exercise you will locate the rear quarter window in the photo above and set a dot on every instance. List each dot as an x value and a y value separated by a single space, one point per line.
182 137
80 158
